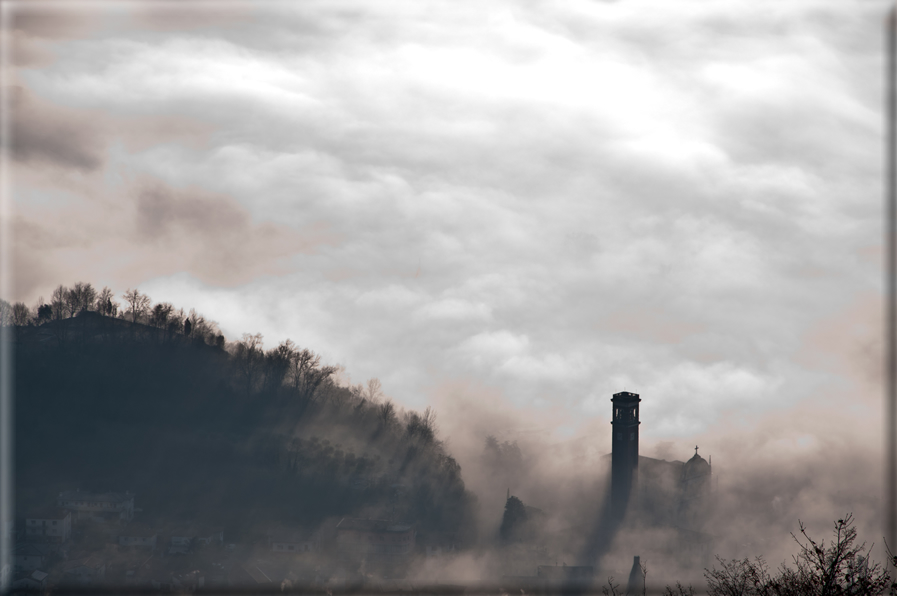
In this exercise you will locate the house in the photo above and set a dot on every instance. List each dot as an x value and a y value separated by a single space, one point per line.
51 523
184 539
138 535
85 572
116 507
35 582
28 557
284 541
180 544
437 544
374 537
152 573
209 535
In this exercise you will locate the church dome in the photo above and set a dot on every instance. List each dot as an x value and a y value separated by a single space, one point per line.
695 467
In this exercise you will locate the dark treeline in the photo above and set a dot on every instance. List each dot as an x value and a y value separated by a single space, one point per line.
152 399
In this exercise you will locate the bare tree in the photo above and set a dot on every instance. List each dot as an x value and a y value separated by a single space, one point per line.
70 303
105 304
160 314
739 577
58 302
59 311
278 364
199 327
422 426
611 589
21 314
679 590
81 298
250 358
305 375
840 568
373 390
138 304
386 413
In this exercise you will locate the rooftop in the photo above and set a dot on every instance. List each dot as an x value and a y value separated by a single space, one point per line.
372 525
80 495
48 513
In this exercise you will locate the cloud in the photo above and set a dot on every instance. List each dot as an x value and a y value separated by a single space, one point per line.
188 16
50 134
548 201
155 230
51 20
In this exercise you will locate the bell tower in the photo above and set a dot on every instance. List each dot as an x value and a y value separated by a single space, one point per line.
624 452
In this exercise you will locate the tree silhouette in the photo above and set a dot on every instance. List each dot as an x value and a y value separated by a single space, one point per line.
250 359
513 520
21 314
160 314
840 569
44 313
58 302
138 304
104 302
80 298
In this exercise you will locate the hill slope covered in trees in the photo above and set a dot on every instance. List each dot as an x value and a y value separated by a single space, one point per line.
153 400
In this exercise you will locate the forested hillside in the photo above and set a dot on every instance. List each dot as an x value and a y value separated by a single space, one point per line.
155 401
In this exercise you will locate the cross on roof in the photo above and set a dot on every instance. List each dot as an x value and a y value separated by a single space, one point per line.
696 449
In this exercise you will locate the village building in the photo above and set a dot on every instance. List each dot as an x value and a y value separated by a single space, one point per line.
118 507
436 544
183 540
85 572
138 535
207 536
54 524
36 581
296 541
28 557
374 537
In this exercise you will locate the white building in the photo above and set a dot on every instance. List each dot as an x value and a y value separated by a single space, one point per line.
374 537
51 523
98 506
293 541
184 539
138 535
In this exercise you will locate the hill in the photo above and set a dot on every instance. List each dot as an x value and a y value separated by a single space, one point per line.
226 434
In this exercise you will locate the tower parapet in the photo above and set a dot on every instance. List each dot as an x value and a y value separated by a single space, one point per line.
624 458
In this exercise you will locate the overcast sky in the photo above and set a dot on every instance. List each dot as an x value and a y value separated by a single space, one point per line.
530 205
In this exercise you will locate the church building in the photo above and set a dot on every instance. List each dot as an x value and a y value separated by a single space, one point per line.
659 492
